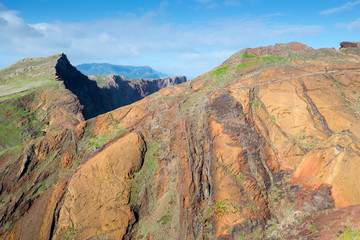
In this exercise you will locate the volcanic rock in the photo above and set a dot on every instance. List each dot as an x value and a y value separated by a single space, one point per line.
265 146
349 45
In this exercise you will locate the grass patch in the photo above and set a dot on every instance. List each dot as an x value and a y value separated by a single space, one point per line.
349 234
7 226
219 72
18 125
100 140
248 64
16 95
255 104
246 55
266 58
144 179
225 206
16 150
47 161
101 80
70 233
165 219
41 189
27 74
220 77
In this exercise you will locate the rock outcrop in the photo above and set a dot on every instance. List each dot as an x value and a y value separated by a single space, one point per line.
349 45
113 87
101 208
265 146
39 143
106 97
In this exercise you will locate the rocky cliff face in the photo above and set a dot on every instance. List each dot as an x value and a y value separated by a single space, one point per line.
116 93
38 145
264 146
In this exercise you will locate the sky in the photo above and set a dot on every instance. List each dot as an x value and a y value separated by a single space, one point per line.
179 37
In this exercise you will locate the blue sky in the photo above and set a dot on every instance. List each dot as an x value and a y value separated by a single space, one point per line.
180 37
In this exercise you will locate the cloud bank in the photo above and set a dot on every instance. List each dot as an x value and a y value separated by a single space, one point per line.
347 6
190 50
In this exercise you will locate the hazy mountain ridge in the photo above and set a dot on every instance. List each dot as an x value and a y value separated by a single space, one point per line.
129 72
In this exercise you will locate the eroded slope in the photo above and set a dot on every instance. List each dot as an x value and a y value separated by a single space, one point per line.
263 147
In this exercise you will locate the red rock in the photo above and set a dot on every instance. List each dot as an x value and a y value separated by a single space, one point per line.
349 44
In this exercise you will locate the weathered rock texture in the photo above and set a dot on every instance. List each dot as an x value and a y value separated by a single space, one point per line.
349 44
265 146
101 208
116 93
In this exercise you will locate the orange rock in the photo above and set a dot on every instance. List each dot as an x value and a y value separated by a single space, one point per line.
38 220
106 210
67 158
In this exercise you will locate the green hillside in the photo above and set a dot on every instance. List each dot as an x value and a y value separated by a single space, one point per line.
27 74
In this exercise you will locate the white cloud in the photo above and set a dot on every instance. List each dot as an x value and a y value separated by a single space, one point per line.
232 3
142 40
212 6
270 15
204 1
346 6
352 26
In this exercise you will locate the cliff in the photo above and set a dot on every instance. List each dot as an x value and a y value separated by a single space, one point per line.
265 146
120 92
98 100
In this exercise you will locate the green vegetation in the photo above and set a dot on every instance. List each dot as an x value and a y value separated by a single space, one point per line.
350 234
270 230
100 140
221 71
50 158
257 234
15 95
101 80
27 74
239 178
220 207
225 206
244 65
16 150
311 145
144 179
7 226
220 75
270 58
41 189
164 219
17 125
255 104
70 233
312 227
266 58
246 55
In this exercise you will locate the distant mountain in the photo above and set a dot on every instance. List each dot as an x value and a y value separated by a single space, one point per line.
129 72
